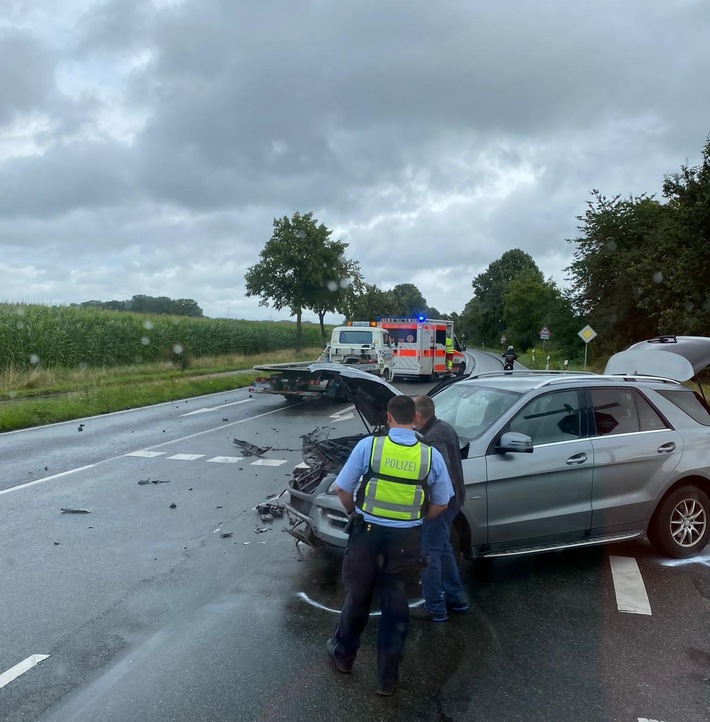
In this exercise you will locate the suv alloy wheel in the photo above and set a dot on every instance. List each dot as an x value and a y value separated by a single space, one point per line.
681 524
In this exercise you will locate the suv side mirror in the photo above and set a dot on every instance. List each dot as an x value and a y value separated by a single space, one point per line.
514 442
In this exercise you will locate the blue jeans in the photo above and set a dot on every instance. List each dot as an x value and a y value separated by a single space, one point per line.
441 583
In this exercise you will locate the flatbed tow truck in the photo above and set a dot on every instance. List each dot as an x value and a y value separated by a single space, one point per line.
361 344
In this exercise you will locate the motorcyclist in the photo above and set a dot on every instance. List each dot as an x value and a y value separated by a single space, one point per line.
509 357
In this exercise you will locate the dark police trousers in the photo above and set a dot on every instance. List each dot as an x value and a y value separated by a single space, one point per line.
389 559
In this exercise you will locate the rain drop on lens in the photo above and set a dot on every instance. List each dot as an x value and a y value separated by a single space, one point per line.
34 359
147 325
332 286
177 348
145 340
657 277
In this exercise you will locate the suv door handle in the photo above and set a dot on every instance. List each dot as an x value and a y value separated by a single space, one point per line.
666 448
576 459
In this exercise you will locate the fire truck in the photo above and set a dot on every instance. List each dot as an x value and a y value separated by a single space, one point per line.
419 346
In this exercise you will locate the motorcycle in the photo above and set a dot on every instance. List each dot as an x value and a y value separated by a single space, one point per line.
508 363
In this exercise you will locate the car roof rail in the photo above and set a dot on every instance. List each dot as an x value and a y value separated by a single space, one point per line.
529 372
614 377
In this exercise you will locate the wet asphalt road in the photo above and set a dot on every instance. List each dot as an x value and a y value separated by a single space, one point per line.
148 612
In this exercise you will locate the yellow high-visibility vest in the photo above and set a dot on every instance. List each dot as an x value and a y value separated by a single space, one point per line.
395 486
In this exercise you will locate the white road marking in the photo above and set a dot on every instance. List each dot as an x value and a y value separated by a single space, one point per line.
226 459
268 462
628 585
318 605
146 454
214 408
126 411
121 456
21 668
185 457
344 414
646 719
48 478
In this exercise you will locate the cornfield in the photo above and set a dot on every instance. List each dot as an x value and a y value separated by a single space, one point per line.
71 337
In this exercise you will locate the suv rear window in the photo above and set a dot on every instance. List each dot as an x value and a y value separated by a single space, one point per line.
688 400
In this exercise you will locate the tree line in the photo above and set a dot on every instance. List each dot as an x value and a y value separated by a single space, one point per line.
160 305
640 269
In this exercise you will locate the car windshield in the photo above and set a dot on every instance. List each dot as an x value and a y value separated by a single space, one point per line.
472 409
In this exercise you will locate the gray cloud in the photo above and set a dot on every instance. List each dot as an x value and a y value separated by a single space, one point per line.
160 140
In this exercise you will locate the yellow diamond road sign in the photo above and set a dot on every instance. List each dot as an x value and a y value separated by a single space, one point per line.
587 334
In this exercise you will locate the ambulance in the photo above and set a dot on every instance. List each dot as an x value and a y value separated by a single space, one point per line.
419 346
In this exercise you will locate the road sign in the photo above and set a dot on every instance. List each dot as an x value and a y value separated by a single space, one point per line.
587 334
545 333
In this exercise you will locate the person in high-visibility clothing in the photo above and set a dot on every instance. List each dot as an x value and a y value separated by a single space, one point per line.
449 355
403 481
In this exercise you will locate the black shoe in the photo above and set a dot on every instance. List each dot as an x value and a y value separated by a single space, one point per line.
387 691
458 607
424 615
340 665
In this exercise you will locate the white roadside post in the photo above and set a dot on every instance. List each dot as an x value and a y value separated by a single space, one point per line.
586 334
545 336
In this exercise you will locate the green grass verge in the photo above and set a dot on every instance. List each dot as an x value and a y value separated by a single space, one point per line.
33 398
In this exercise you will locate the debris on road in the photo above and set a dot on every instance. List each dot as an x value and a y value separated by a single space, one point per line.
142 482
173 505
251 449
261 529
81 427
68 510
227 534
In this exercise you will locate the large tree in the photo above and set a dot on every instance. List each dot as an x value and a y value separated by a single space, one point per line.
341 279
617 268
641 267
490 288
297 266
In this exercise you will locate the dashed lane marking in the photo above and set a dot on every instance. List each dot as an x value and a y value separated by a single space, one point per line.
268 462
215 459
207 409
21 668
109 459
344 414
628 585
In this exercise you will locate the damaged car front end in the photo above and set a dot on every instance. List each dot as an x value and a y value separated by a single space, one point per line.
316 516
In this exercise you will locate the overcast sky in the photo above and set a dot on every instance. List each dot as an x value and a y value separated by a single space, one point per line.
147 145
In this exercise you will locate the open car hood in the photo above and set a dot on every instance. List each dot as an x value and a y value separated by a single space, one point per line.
673 357
368 392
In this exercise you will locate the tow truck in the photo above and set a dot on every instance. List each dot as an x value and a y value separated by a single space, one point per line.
361 344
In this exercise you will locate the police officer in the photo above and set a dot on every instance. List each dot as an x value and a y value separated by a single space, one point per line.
403 480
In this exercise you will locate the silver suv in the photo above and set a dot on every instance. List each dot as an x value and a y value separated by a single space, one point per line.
552 461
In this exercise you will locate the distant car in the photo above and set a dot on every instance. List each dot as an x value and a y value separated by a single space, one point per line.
551 460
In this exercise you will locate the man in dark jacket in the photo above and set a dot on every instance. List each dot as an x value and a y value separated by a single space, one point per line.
441 583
